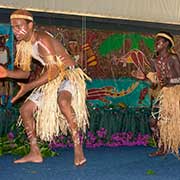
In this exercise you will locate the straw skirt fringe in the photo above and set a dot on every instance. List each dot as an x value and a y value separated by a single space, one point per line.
169 119
50 122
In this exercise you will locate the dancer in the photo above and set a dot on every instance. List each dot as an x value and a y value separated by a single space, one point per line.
57 102
165 73
166 66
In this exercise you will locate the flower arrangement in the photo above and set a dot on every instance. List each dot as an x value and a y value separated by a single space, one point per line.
17 143
133 120
101 138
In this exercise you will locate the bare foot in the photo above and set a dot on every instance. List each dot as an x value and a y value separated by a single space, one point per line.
79 158
31 157
157 153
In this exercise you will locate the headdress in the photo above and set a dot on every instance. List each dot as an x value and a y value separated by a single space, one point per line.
21 16
166 36
72 41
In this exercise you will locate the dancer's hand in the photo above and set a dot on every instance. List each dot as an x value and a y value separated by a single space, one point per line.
164 82
138 74
3 72
22 91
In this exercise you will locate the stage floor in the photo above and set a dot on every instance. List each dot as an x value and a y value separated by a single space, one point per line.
121 163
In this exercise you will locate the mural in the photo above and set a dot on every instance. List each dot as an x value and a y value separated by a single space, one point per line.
111 59
118 93
6 59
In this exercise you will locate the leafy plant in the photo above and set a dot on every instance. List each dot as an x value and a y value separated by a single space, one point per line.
16 143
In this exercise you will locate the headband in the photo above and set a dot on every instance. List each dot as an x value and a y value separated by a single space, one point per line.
72 41
164 35
19 16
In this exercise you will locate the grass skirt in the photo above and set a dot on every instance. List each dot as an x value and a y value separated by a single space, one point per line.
169 119
50 122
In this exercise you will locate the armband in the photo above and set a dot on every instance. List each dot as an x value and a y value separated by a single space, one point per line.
175 81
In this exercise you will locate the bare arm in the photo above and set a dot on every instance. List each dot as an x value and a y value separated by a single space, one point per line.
16 74
48 53
175 70
48 50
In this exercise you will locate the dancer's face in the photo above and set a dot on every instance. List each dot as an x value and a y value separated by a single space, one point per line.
160 44
73 45
21 29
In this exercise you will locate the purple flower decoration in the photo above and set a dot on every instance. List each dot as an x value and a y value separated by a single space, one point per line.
10 136
100 138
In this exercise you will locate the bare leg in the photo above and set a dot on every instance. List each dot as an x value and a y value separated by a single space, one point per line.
64 102
34 155
155 133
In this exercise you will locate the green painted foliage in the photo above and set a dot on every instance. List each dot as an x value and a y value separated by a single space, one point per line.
116 42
